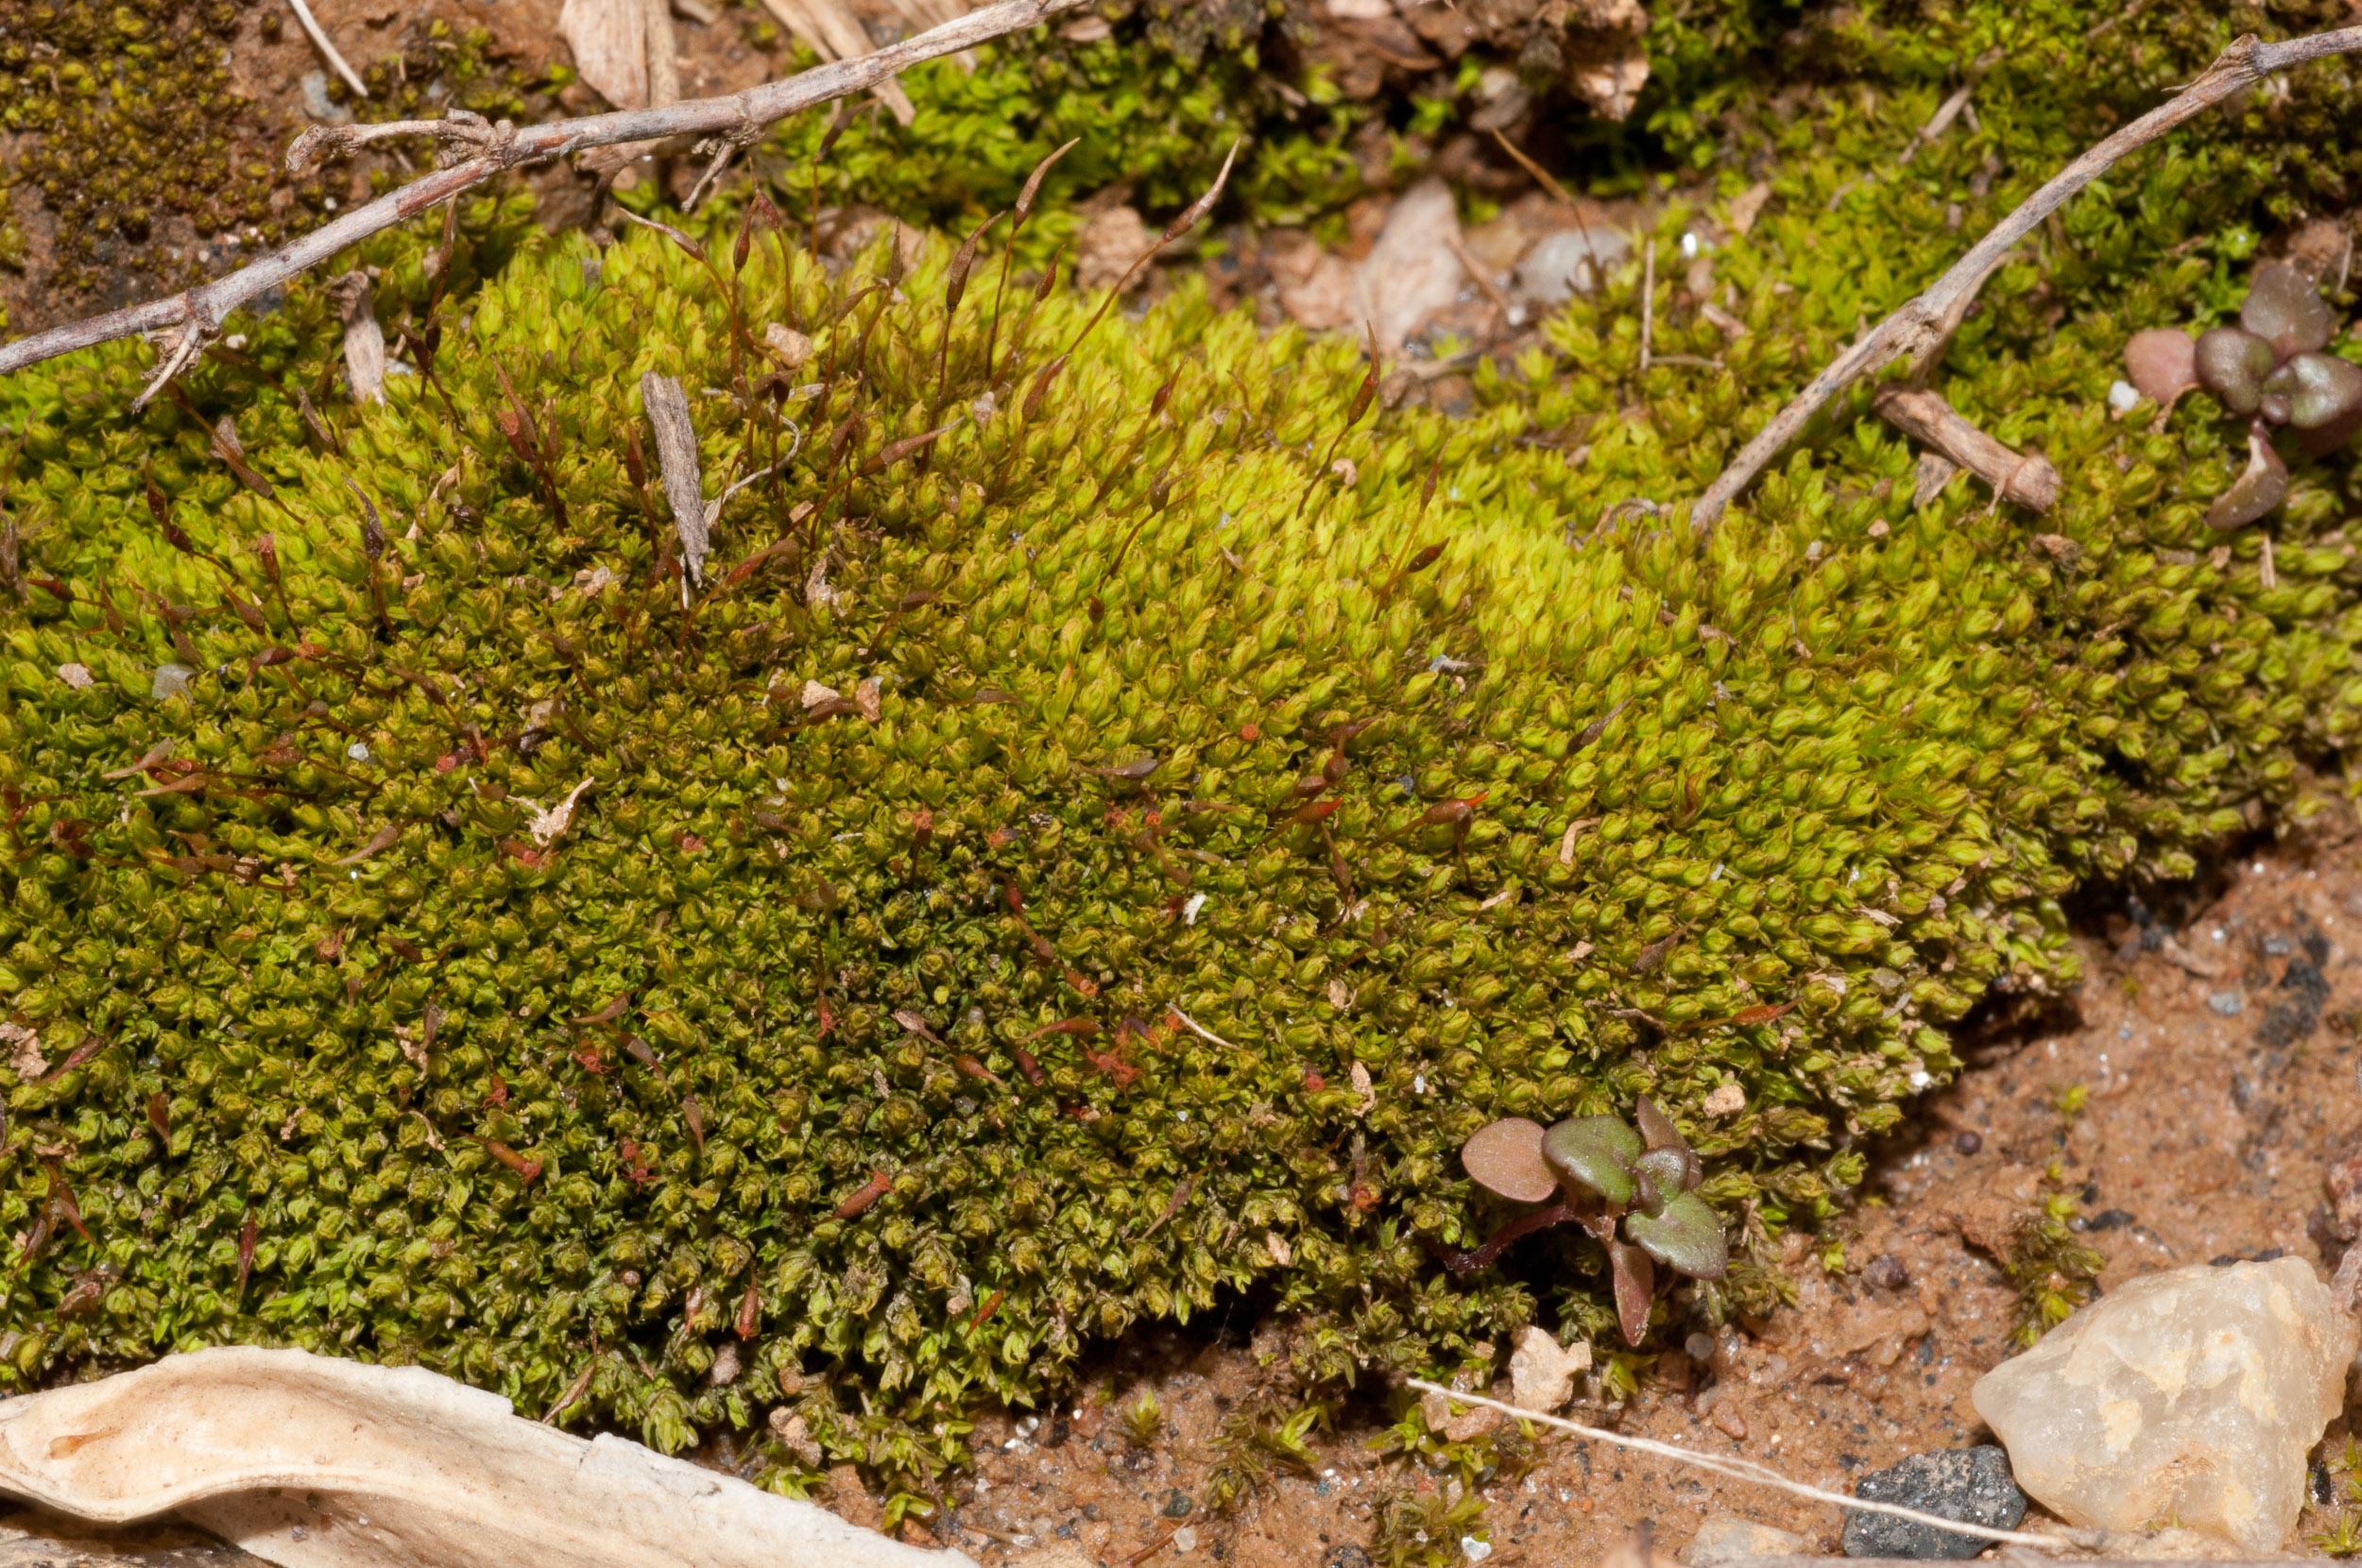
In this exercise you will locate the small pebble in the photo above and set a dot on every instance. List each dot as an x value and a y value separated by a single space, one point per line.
1730 1422
1184 1539
1969 1143
1475 1550
1972 1485
2228 1003
1178 1504
1887 1272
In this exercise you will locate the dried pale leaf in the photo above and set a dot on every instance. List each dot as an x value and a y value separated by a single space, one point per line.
311 1463
1414 270
676 458
815 694
609 39
365 340
1108 245
1747 206
834 32
791 348
663 50
546 825
1368 1096
868 699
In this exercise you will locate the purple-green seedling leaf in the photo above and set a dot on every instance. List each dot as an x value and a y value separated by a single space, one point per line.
1505 1156
1660 1175
1635 1287
2286 310
1684 1235
2232 363
2321 390
1592 1155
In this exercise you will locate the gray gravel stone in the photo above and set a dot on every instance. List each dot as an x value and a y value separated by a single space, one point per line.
1972 1485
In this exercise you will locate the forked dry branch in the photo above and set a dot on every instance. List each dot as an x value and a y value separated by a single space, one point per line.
1923 325
478 150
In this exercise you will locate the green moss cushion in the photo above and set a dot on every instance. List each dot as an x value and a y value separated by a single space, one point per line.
1089 864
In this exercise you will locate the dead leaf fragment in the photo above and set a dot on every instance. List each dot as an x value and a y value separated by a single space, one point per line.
364 341
1113 239
310 1461
1414 270
23 1048
609 40
684 479
546 825
1368 1101
834 32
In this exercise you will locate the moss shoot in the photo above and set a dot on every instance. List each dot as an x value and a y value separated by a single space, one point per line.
1121 807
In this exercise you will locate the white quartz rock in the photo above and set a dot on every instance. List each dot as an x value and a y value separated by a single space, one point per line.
2189 1397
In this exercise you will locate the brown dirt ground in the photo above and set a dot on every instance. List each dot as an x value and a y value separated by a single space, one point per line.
2220 1072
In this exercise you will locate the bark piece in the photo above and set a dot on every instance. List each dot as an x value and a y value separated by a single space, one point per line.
2026 478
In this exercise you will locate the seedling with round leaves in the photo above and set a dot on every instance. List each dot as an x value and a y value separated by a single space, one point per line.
1633 1187
2272 370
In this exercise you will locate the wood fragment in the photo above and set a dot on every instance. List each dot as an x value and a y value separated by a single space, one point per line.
1920 329
2027 478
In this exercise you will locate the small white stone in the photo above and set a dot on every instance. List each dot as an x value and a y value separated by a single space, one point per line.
2122 396
2189 1397
1725 1538
75 675
1184 1539
1542 1372
1475 1550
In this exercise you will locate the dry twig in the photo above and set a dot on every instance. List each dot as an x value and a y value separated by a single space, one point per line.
1742 1470
193 317
1922 327
2028 480
326 47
